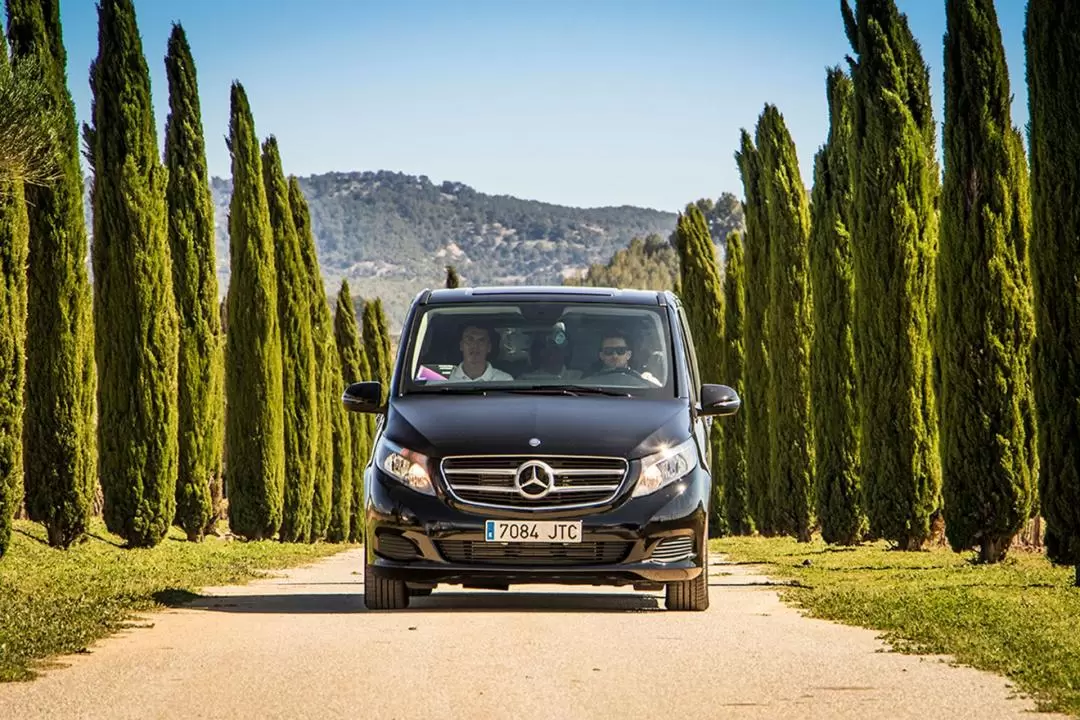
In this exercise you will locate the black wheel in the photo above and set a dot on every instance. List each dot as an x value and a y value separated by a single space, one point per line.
383 593
690 595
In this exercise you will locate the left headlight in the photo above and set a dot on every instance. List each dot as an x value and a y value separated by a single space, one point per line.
408 466
665 467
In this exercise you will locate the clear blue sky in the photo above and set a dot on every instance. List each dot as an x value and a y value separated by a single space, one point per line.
579 102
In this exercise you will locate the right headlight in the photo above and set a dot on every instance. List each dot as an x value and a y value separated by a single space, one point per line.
407 466
665 467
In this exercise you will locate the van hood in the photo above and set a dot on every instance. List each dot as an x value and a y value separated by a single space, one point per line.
440 425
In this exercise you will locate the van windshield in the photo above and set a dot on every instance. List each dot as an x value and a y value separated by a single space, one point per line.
564 347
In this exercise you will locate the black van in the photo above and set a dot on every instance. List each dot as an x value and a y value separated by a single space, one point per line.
553 435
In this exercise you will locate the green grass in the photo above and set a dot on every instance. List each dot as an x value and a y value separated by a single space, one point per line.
55 602
1020 619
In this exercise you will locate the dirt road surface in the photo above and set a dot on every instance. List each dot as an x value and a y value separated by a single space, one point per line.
302 645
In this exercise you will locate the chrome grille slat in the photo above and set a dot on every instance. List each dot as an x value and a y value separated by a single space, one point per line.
488 480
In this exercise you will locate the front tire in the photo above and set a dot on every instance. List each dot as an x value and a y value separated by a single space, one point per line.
690 595
382 593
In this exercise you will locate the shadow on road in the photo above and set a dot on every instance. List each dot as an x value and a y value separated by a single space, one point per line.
440 601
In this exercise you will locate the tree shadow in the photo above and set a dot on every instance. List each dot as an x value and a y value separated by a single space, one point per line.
32 537
761 583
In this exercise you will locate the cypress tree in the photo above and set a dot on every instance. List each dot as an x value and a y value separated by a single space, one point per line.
836 422
386 355
985 316
201 369
376 343
452 279
59 444
755 401
1052 43
703 300
790 323
894 233
254 426
298 352
354 368
341 508
134 305
14 239
327 371
736 492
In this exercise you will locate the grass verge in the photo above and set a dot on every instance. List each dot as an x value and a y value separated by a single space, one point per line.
1018 619
55 602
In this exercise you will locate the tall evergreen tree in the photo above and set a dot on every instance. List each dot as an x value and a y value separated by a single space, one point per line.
59 443
298 351
327 371
254 423
1052 42
134 306
386 354
835 409
201 369
894 233
733 368
14 239
790 322
452 279
756 399
376 342
355 367
341 506
703 299
986 320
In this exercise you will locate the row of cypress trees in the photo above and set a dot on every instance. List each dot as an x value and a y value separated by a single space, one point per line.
899 341
142 383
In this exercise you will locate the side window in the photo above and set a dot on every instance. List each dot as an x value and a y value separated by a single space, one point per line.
691 353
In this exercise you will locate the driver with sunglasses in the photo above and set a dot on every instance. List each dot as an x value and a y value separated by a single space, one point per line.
615 354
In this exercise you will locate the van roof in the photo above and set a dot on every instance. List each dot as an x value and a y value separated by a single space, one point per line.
627 296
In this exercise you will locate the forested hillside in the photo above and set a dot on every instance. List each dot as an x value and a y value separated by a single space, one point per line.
391 234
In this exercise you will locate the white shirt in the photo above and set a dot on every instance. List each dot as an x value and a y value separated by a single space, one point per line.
490 373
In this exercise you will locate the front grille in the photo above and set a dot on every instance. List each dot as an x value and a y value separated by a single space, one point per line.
674 549
489 481
467 552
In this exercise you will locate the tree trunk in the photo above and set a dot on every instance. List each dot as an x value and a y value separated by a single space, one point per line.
992 550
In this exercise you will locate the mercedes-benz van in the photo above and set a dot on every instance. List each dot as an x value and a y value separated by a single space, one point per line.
554 435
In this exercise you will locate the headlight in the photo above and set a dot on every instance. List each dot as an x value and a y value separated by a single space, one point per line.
665 467
408 466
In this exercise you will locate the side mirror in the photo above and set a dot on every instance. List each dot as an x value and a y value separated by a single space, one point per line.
719 400
363 397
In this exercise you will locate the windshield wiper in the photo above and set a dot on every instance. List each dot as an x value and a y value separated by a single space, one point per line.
456 390
568 390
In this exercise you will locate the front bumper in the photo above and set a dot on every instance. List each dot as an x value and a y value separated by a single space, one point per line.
407 536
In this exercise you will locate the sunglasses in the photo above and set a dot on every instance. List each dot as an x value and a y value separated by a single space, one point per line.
615 350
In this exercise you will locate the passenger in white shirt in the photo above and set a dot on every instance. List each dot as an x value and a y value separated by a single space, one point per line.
475 348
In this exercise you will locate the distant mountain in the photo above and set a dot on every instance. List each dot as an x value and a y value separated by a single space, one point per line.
393 233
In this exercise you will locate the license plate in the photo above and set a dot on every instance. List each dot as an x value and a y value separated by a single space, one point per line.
528 531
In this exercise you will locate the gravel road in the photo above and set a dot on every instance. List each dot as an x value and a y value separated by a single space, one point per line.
302 645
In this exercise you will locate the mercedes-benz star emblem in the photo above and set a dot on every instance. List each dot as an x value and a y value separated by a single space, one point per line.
534 442
534 479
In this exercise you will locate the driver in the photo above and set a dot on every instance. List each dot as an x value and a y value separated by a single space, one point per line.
615 351
615 354
475 346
